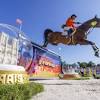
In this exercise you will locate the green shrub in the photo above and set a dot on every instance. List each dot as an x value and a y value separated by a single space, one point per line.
97 77
19 91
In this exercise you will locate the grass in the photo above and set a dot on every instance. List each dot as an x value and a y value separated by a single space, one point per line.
74 77
19 91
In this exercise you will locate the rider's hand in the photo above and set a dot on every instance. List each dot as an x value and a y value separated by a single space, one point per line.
63 26
77 23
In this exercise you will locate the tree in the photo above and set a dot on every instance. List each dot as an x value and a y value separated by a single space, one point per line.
91 64
64 64
82 64
74 65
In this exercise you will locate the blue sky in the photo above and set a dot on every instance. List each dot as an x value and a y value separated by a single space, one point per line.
37 15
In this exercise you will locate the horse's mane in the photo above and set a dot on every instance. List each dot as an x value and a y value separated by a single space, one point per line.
86 24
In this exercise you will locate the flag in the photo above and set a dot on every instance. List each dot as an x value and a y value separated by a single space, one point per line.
18 21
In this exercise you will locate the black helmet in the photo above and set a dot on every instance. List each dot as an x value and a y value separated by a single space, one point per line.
73 15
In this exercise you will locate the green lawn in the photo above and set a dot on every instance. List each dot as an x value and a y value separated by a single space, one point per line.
19 91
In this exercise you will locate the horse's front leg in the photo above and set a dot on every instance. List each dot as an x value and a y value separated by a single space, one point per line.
87 42
96 50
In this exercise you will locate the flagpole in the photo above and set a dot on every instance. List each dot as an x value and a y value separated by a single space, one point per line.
19 22
20 28
19 36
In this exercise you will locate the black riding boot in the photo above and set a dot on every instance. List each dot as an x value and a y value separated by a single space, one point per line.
70 31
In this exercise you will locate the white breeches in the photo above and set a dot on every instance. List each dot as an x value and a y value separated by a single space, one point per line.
65 31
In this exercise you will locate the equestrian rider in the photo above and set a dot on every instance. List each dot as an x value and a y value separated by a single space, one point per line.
70 27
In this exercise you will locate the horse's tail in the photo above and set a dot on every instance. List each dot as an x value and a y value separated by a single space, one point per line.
46 34
47 31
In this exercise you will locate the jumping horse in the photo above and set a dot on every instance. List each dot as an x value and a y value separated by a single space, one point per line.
78 37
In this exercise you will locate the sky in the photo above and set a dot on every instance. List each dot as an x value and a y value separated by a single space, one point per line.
38 15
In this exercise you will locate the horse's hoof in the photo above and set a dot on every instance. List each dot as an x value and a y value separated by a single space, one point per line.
97 50
97 54
44 46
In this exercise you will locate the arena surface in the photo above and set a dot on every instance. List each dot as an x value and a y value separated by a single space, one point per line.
69 90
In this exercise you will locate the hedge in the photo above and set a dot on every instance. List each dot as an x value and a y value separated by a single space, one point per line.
19 91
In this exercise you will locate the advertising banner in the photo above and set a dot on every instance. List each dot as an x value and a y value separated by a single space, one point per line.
39 62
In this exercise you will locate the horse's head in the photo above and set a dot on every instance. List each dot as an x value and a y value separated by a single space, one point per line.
94 22
97 22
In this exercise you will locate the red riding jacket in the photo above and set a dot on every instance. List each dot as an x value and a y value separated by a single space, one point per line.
70 23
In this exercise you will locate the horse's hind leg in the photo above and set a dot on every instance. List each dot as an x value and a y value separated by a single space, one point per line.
87 42
45 43
45 40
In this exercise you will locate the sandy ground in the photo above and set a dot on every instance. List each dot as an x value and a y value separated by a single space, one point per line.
69 90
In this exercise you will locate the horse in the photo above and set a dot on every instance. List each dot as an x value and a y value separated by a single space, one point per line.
78 37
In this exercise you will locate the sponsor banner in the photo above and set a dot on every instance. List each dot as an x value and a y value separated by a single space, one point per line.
40 63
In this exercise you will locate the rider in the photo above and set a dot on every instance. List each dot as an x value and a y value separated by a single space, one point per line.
70 27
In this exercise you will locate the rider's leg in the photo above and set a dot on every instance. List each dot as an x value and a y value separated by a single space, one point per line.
65 31
70 31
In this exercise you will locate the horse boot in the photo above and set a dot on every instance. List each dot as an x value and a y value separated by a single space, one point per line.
95 48
97 54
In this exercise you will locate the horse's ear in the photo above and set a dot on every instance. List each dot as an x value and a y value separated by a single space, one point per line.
95 16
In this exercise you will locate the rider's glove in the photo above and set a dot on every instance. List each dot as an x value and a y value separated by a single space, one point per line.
77 23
